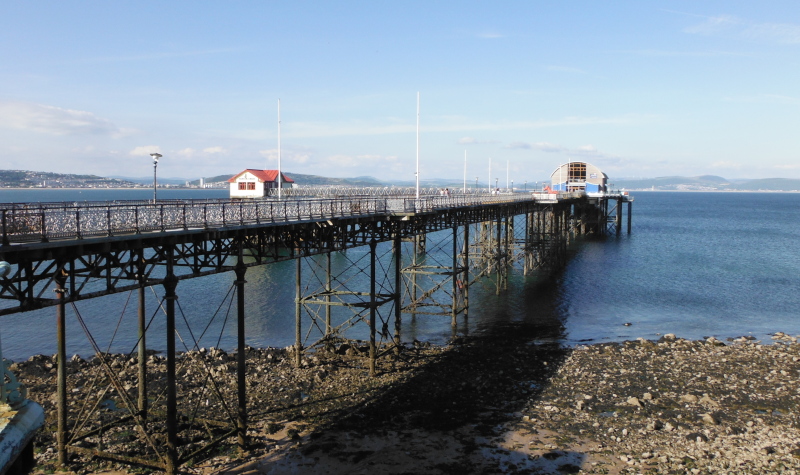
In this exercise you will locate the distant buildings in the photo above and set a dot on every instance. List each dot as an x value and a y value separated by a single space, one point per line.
252 183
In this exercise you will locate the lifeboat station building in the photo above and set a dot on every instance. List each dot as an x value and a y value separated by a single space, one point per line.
257 183
579 176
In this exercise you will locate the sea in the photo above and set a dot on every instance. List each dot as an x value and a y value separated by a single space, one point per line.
695 264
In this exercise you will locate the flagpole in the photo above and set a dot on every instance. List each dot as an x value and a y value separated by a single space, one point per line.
417 147
465 171
279 149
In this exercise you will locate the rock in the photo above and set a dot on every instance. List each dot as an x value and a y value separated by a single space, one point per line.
697 437
690 398
710 419
708 402
647 397
634 401
655 425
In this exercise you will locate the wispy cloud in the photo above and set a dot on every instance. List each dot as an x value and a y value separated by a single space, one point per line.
585 152
714 25
161 55
778 32
784 33
288 156
474 141
766 99
145 150
518 146
55 120
315 129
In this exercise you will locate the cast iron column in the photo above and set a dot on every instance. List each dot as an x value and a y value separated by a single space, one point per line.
170 283
241 368
61 362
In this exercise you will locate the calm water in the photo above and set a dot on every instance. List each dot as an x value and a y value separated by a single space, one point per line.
696 264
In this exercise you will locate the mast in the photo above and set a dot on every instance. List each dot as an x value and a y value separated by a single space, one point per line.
417 146
465 171
490 175
279 149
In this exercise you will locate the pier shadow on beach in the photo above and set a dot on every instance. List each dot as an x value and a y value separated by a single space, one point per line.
451 416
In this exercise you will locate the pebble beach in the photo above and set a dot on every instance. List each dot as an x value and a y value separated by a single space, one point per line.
498 404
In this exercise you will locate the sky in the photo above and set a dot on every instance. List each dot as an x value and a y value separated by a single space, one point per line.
638 88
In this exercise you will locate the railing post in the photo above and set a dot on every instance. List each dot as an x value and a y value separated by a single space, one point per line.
78 223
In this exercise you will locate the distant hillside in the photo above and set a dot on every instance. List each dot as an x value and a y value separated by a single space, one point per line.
31 179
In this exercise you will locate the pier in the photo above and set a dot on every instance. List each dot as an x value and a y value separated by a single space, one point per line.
60 254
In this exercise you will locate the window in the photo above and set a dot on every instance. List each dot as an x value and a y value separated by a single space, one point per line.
247 185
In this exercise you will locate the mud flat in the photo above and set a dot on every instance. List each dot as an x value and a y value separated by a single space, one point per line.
508 403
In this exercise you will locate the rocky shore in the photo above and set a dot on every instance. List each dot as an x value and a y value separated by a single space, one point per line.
504 402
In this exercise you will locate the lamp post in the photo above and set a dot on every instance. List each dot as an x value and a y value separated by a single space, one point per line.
496 186
155 156
476 184
526 185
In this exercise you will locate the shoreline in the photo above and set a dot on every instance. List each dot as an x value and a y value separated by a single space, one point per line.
501 404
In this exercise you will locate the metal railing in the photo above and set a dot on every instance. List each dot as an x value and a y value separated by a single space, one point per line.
43 222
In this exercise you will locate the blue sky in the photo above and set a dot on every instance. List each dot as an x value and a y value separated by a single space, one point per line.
638 88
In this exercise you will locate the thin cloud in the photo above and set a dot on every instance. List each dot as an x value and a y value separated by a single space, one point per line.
144 150
309 129
765 98
714 25
215 150
548 147
54 120
518 146
778 32
784 33
161 55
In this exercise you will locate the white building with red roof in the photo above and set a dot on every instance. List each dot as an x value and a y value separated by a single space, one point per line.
257 183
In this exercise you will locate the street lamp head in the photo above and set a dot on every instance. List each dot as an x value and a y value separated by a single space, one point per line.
155 156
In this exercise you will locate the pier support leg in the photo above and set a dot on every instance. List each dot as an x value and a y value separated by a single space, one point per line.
373 353
619 216
241 356
61 376
170 284
455 275
499 257
328 288
298 330
465 280
397 290
142 358
630 209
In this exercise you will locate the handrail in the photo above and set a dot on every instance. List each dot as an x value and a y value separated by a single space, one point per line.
43 222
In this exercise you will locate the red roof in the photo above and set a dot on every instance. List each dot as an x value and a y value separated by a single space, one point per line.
263 176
